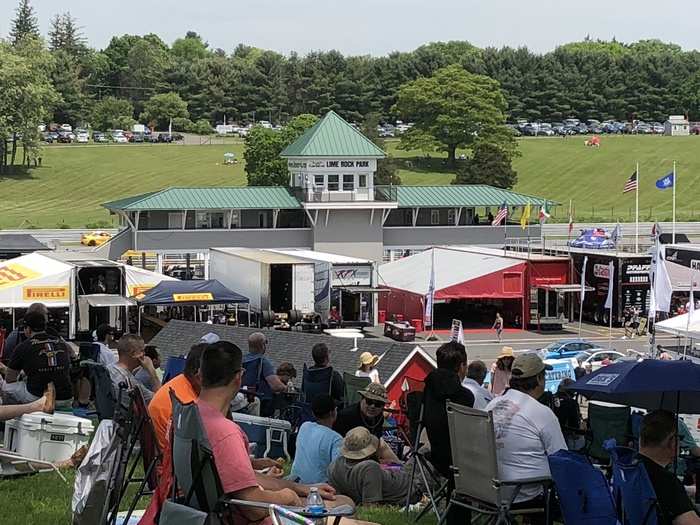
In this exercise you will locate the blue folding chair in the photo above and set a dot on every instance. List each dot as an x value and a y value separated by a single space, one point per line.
315 382
174 366
632 489
582 490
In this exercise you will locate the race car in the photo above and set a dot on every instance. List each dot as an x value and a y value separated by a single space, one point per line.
95 238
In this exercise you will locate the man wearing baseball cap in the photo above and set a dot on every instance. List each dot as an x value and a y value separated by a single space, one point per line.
368 413
526 431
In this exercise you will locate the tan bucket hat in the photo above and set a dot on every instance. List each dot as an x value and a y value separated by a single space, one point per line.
359 444
375 392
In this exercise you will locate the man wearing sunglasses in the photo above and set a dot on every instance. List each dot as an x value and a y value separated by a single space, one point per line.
368 413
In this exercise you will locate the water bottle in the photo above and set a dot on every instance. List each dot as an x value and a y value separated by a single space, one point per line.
315 506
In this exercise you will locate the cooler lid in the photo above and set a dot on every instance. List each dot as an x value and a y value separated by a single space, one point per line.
56 421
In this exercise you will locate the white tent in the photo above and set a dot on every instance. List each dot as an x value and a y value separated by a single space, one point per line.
139 280
680 327
35 278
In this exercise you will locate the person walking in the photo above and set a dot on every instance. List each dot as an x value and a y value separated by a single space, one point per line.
498 326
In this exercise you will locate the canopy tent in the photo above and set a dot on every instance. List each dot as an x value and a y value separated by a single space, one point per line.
34 278
458 274
679 325
184 293
139 280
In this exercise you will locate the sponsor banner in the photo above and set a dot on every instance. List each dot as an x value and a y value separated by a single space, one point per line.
351 276
192 297
136 290
635 274
45 293
602 379
14 274
561 369
601 271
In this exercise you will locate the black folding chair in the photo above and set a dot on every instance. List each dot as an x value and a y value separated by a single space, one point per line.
102 388
197 478
315 382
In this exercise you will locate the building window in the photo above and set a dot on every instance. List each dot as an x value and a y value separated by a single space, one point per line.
202 220
434 217
451 216
333 184
362 181
262 219
319 181
348 182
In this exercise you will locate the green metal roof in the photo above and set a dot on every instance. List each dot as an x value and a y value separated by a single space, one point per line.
250 197
455 196
332 137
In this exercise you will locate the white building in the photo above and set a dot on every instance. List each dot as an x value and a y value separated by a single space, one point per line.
677 126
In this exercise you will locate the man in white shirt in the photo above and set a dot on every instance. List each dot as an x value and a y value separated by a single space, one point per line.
104 336
526 430
476 373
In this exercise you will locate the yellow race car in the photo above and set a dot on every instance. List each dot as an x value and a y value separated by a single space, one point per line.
95 238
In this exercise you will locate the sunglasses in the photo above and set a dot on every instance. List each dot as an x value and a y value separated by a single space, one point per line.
374 403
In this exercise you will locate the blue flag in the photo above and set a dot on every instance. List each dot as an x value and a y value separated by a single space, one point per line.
666 181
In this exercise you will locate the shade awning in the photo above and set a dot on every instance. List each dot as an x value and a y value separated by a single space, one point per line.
183 293
100 300
565 288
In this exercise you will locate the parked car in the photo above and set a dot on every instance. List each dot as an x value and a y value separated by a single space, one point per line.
136 137
545 129
178 137
658 128
99 137
66 127
50 136
65 137
118 136
81 136
164 137
695 129
566 348
596 358
95 238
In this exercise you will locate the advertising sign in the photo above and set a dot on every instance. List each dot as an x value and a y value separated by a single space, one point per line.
14 274
45 293
192 297
351 276
561 369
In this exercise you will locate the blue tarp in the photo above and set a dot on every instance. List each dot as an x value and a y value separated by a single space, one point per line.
208 291
595 238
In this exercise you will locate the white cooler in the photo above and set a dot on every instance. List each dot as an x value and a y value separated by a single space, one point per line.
48 437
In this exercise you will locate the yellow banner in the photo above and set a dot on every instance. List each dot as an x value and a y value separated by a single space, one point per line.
191 297
14 274
45 293
139 289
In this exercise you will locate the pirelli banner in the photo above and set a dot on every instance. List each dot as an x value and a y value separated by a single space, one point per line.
35 278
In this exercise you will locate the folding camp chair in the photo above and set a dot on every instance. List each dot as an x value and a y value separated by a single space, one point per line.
105 400
632 489
582 490
478 485
198 480
282 516
606 421
315 382
353 385
174 366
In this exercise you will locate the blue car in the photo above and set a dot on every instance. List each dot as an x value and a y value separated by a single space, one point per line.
566 348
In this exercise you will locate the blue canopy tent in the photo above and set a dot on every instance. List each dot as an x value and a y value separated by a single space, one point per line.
191 293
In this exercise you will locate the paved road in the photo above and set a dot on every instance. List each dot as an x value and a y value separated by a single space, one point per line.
484 345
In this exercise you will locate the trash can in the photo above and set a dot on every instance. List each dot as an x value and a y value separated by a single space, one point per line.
382 316
417 324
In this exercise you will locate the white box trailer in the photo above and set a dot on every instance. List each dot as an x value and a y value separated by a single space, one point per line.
272 281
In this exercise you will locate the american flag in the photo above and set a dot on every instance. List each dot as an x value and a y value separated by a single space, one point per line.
631 184
501 215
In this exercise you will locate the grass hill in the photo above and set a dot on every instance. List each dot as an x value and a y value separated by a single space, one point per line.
74 180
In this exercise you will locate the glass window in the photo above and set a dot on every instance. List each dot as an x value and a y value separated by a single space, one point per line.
333 184
348 182
319 181
362 181
434 216
202 220
451 215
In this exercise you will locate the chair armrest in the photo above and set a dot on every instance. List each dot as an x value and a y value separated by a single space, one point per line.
523 482
340 510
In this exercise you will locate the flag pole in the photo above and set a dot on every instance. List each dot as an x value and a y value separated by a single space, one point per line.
568 236
673 237
636 215
690 312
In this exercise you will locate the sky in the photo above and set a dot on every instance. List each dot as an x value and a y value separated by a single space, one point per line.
377 27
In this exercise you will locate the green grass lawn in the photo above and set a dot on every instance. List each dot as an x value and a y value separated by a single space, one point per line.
73 181
44 499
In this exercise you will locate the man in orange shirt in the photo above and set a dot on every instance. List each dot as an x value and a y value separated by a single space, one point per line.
185 386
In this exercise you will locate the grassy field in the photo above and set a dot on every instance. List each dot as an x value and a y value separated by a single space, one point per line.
45 500
67 190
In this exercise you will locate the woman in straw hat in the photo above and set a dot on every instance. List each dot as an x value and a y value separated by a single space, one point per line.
500 371
366 368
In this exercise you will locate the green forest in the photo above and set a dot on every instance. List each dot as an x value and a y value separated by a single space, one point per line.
645 80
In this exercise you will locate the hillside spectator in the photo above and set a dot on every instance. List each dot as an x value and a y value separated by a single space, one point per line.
318 445
260 373
131 356
568 412
526 430
476 374
367 367
322 359
143 375
17 336
658 446
287 374
501 370
368 412
44 359
104 337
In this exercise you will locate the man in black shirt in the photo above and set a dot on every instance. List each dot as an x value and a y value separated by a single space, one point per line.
657 448
18 336
44 359
368 413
